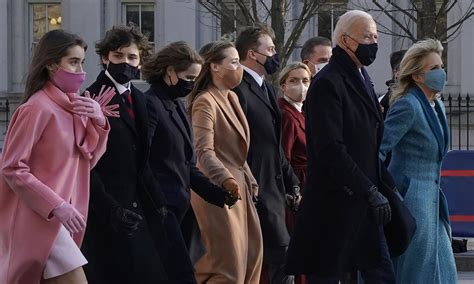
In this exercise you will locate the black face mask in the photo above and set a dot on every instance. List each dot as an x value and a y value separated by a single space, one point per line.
272 63
366 53
182 88
122 72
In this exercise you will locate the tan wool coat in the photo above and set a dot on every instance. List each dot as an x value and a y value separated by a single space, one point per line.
232 237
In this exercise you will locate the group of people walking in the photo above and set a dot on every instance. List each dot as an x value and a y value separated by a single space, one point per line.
209 177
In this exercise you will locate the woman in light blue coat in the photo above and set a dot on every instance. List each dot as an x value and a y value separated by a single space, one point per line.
417 134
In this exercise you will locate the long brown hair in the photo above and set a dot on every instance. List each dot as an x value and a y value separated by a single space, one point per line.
53 46
177 54
214 55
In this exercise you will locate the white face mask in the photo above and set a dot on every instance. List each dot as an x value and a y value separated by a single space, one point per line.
296 93
319 66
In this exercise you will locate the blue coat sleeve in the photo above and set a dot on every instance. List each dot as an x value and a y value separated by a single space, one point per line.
400 119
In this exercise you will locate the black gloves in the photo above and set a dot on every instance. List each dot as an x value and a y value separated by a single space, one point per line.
293 198
230 199
124 220
379 206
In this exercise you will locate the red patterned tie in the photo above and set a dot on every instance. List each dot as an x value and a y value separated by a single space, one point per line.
127 96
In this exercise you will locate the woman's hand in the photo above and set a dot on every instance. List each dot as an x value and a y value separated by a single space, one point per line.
232 186
88 107
72 220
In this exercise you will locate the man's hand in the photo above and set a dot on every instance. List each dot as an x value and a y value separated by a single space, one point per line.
293 199
124 220
379 206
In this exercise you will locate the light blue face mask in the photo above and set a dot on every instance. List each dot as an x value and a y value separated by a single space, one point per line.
435 79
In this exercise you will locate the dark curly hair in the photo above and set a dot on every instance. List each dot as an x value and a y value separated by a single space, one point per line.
122 36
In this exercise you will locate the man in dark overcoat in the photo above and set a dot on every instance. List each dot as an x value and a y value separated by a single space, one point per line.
275 177
129 231
339 226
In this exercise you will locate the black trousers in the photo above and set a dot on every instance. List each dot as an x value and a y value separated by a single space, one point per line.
382 274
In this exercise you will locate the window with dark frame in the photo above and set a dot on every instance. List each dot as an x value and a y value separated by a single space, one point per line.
142 16
44 17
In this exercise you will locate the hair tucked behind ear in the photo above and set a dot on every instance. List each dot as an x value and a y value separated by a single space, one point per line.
53 46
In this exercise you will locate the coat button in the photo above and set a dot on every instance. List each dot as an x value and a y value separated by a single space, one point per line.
135 205
188 189
377 125
278 177
240 168
273 121
187 162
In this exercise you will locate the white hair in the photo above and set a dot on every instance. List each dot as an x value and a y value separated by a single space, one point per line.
345 22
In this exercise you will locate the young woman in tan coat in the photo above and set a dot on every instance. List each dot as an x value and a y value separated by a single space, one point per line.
232 237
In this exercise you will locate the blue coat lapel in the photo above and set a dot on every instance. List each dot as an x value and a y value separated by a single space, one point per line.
441 136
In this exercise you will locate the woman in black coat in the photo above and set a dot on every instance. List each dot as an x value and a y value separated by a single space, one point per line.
171 73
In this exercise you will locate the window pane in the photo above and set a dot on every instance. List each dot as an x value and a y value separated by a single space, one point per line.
132 16
148 22
54 17
39 21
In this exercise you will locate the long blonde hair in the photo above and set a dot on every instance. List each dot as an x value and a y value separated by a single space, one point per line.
412 63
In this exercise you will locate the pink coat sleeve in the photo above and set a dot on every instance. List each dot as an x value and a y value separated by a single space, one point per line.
24 131
102 135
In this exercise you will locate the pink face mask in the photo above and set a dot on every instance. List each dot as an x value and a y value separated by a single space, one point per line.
68 82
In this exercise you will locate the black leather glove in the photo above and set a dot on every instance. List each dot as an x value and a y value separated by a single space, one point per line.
230 199
162 212
379 206
124 220
293 198
397 193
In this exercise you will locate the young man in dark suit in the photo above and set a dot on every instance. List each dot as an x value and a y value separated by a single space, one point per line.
129 231
275 177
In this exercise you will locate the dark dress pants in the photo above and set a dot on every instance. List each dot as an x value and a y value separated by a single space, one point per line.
382 274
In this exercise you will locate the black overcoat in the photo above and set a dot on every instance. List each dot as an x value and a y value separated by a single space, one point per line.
122 177
173 161
266 159
334 231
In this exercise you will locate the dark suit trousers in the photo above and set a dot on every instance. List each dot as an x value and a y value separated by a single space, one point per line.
274 260
177 263
383 274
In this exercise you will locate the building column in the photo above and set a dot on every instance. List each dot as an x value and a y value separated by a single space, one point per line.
84 18
467 54
4 47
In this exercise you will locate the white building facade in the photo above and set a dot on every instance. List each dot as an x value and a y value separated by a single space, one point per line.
23 22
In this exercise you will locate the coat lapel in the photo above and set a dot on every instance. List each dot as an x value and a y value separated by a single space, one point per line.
171 107
354 79
257 90
141 124
233 115
432 119
117 99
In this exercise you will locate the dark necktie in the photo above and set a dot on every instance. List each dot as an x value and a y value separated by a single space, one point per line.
127 97
265 91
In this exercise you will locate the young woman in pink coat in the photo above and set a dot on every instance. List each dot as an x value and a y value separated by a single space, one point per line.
54 139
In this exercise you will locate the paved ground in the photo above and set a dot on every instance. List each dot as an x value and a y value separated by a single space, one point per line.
466 277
